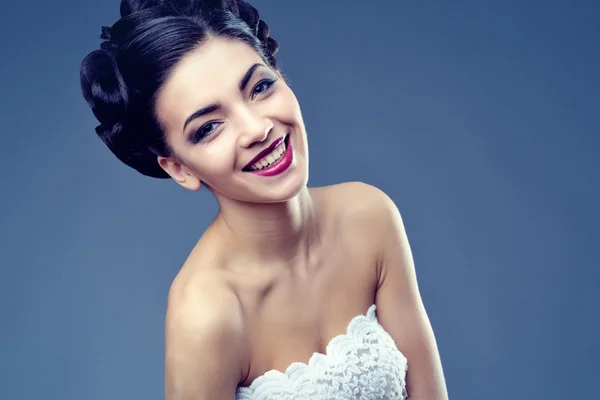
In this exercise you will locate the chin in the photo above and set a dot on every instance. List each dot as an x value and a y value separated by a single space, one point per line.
283 194
278 185
267 192
278 192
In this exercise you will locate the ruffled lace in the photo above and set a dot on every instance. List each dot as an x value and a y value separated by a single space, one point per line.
361 364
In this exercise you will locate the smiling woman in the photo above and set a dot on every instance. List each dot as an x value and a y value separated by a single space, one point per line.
219 99
292 292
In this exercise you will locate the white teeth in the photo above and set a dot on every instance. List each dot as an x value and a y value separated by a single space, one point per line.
271 158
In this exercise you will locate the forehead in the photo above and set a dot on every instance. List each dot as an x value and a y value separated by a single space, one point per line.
204 76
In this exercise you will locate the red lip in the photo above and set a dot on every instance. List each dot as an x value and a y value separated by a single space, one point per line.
264 152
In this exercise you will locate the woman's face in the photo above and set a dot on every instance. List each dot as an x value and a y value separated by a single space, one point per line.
222 106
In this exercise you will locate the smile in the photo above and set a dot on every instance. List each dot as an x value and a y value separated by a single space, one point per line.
273 160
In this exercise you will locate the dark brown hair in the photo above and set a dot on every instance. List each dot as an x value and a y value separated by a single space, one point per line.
121 79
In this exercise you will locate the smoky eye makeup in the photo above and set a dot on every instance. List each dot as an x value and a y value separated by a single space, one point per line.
204 131
263 86
263 83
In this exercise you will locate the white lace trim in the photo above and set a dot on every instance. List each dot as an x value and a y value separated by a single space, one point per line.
361 364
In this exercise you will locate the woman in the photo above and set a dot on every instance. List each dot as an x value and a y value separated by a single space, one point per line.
291 292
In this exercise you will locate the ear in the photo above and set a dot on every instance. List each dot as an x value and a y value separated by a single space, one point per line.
179 173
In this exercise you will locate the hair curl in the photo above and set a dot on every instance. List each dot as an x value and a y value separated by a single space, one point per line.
121 79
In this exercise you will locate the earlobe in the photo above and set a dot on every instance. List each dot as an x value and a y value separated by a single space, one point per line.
179 173
191 182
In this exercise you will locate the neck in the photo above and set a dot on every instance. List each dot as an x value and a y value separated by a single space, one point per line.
276 232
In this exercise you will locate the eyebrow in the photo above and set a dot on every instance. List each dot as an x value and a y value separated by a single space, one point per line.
213 107
248 75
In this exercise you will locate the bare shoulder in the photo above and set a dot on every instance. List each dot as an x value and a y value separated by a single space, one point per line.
365 218
361 203
204 350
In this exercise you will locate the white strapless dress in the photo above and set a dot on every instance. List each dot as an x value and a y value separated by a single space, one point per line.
361 364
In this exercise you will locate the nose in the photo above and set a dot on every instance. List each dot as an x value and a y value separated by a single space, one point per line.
254 128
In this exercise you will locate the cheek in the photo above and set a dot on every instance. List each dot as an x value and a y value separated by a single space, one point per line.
288 109
212 160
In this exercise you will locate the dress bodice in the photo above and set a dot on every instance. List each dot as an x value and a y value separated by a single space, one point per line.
363 364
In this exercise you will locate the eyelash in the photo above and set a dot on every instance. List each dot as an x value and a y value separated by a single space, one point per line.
201 135
267 82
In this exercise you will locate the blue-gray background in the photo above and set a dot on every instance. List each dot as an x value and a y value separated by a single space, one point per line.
479 118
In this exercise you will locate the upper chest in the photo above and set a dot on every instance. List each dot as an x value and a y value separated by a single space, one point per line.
291 316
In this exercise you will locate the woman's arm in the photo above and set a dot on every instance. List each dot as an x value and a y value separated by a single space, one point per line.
400 309
203 344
